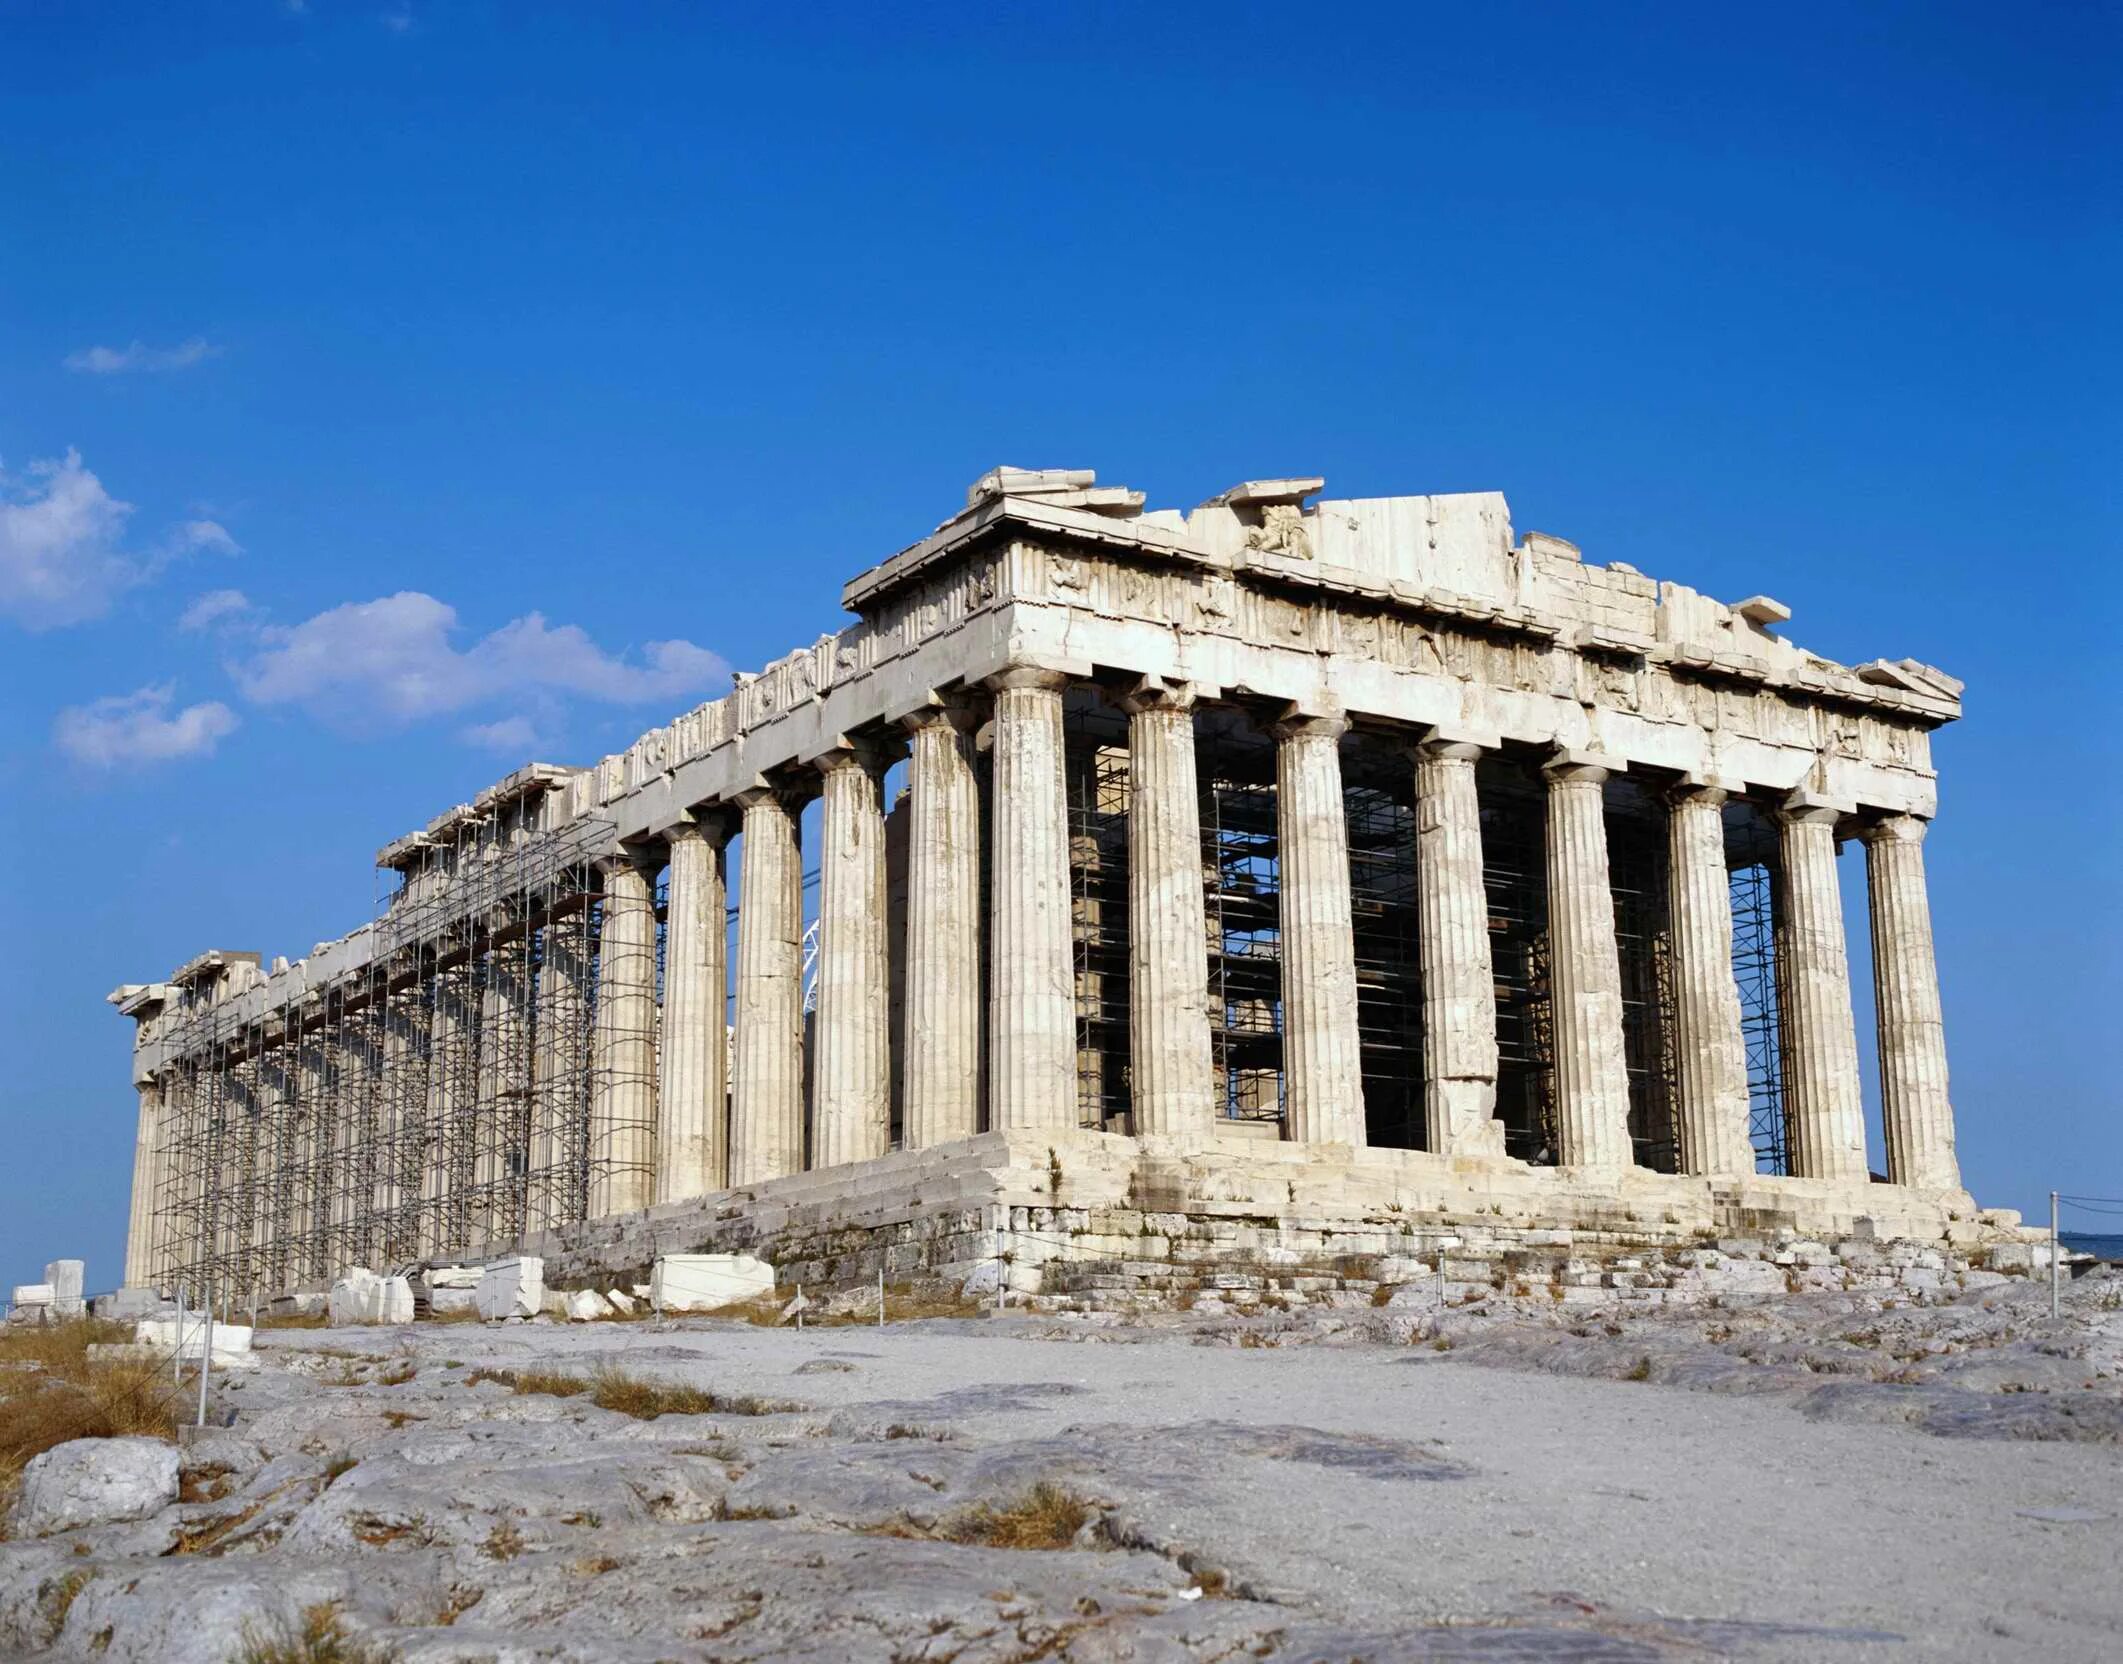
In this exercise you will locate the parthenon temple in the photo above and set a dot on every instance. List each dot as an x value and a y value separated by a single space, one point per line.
1283 866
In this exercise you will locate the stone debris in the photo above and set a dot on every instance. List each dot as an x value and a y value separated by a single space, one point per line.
707 1282
31 1303
231 1342
94 1482
65 1278
512 1287
586 1305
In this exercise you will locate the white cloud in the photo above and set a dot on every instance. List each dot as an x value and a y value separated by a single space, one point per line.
61 559
212 607
138 727
59 555
516 734
118 361
393 659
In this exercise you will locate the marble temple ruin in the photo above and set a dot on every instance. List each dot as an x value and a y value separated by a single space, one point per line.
1287 870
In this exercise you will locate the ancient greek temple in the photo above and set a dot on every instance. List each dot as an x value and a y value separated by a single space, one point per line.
1286 864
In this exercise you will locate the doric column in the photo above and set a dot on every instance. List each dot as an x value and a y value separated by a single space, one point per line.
940 1049
1710 1053
1824 1112
1032 971
322 1121
1905 978
694 1108
503 1117
560 1072
851 1077
766 1087
1452 942
623 1068
1173 1088
453 1033
1322 1055
140 1224
1585 968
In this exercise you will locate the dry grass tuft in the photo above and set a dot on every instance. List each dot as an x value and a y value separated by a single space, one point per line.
319 1638
56 1599
612 1388
293 1320
52 1393
1044 1516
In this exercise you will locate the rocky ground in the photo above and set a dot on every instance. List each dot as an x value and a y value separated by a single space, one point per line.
1837 1475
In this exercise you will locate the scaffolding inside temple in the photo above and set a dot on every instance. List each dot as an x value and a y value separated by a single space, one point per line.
1243 905
1752 868
1378 802
1096 773
1514 858
1636 871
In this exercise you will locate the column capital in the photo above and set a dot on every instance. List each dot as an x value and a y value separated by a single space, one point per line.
791 791
1029 676
1155 693
1572 766
629 858
1895 829
954 710
1454 742
855 751
1299 722
712 824
1810 808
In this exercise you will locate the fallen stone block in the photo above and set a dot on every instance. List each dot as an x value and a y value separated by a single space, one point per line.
514 1287
128 1305
164 1336
707 1282
621 1302
586 1305
94 1482
394 1301
453 1276
31 1303
65 1278
447 1302
355 1298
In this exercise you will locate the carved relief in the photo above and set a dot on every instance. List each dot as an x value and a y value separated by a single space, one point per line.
1281 532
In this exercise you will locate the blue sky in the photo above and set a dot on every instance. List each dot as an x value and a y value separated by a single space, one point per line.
391 391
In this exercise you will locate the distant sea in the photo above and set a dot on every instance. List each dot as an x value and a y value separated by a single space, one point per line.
2101 1247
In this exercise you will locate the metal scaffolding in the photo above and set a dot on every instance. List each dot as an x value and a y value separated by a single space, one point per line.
1235 769
432 1101
1097 777
1752 865
1637 860
1378 804
1514 860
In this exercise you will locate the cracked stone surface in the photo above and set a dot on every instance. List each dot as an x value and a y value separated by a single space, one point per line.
1799 1478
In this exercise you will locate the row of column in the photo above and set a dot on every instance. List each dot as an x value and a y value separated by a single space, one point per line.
657 1132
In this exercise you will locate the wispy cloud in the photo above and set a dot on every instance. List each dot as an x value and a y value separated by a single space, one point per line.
62 559
118 361
394 661
515 735
399 19
130 729
214 607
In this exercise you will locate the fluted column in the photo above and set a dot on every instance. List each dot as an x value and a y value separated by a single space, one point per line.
447 1147
1905 975
1172 1078
560 1070
1710 1053
1824 1112
503 1117
693 1049
1585 968
1452 943
940 1048
851 1075
766 1086
623 1071
140 1224
1322 1054
1032 971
